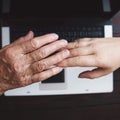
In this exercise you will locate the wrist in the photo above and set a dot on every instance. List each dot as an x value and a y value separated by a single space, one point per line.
1 92
1 89
4 78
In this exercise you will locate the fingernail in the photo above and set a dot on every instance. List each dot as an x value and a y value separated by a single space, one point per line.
81 76
64 42
53 35
31 33
60 69
66 53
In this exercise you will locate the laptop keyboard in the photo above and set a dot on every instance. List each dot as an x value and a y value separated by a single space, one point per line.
72 33
69 33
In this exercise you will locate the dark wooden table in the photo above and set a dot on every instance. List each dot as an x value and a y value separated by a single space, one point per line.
66 107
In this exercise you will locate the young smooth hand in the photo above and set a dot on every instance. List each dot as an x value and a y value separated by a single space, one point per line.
101 53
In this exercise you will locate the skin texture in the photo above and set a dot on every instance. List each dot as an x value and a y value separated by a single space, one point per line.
101 53
29 60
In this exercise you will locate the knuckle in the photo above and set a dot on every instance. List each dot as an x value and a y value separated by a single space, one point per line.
41 66
33 43
42 53
95 46
9 53
32 57
17 67
82 43
76 43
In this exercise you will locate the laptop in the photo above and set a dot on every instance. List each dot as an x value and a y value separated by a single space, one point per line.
88 18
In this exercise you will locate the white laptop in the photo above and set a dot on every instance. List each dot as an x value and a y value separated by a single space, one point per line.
67 82
71 83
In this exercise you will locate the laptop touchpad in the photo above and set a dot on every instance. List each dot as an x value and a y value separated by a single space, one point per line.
59 78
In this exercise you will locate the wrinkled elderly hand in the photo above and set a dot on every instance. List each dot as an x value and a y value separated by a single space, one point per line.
101 53
29 60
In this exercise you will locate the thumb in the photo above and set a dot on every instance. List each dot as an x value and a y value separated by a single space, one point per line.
95 73
28 36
